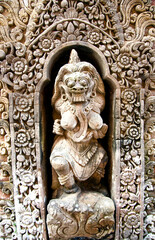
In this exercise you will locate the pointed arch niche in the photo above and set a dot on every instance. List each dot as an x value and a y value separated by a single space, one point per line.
44 121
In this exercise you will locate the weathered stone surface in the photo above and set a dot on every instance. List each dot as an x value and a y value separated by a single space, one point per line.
80 214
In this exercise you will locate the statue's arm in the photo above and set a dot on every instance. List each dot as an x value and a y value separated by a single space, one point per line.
101 132
57 129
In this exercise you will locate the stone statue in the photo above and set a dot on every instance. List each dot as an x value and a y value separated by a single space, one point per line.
78 160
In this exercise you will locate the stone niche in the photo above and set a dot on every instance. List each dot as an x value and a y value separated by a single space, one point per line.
93 56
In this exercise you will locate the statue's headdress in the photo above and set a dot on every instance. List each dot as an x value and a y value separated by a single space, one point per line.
74 58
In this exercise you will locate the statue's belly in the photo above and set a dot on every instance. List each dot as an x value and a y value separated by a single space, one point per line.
83 164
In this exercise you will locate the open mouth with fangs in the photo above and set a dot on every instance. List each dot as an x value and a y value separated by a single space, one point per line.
78 97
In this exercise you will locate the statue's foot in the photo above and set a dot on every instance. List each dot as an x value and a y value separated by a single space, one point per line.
75 188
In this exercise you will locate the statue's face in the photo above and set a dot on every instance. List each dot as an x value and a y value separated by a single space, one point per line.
77 85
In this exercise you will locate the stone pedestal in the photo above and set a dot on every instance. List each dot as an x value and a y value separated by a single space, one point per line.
79 214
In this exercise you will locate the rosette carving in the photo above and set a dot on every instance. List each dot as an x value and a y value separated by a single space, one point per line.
7 227
26 166
149 160
130 177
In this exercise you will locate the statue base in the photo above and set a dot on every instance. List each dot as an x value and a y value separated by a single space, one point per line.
80 214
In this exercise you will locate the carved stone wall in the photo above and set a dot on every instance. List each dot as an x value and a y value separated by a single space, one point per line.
31 38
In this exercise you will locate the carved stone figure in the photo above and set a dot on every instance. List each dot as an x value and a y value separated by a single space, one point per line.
78 160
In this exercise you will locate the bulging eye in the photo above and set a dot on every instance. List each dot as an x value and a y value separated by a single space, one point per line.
83 82
70 83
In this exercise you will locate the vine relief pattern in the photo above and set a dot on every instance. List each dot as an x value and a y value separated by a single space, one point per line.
124 32
131 168
149 115
7 209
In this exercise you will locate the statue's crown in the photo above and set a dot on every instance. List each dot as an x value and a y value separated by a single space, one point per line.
74 58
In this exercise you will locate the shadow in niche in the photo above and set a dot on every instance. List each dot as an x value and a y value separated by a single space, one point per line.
85 54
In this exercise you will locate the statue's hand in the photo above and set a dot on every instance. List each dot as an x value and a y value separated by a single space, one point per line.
101 132
57 129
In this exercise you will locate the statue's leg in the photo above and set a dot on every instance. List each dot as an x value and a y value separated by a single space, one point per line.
95 179
65 174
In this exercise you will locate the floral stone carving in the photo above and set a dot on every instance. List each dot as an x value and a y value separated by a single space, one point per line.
78 161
